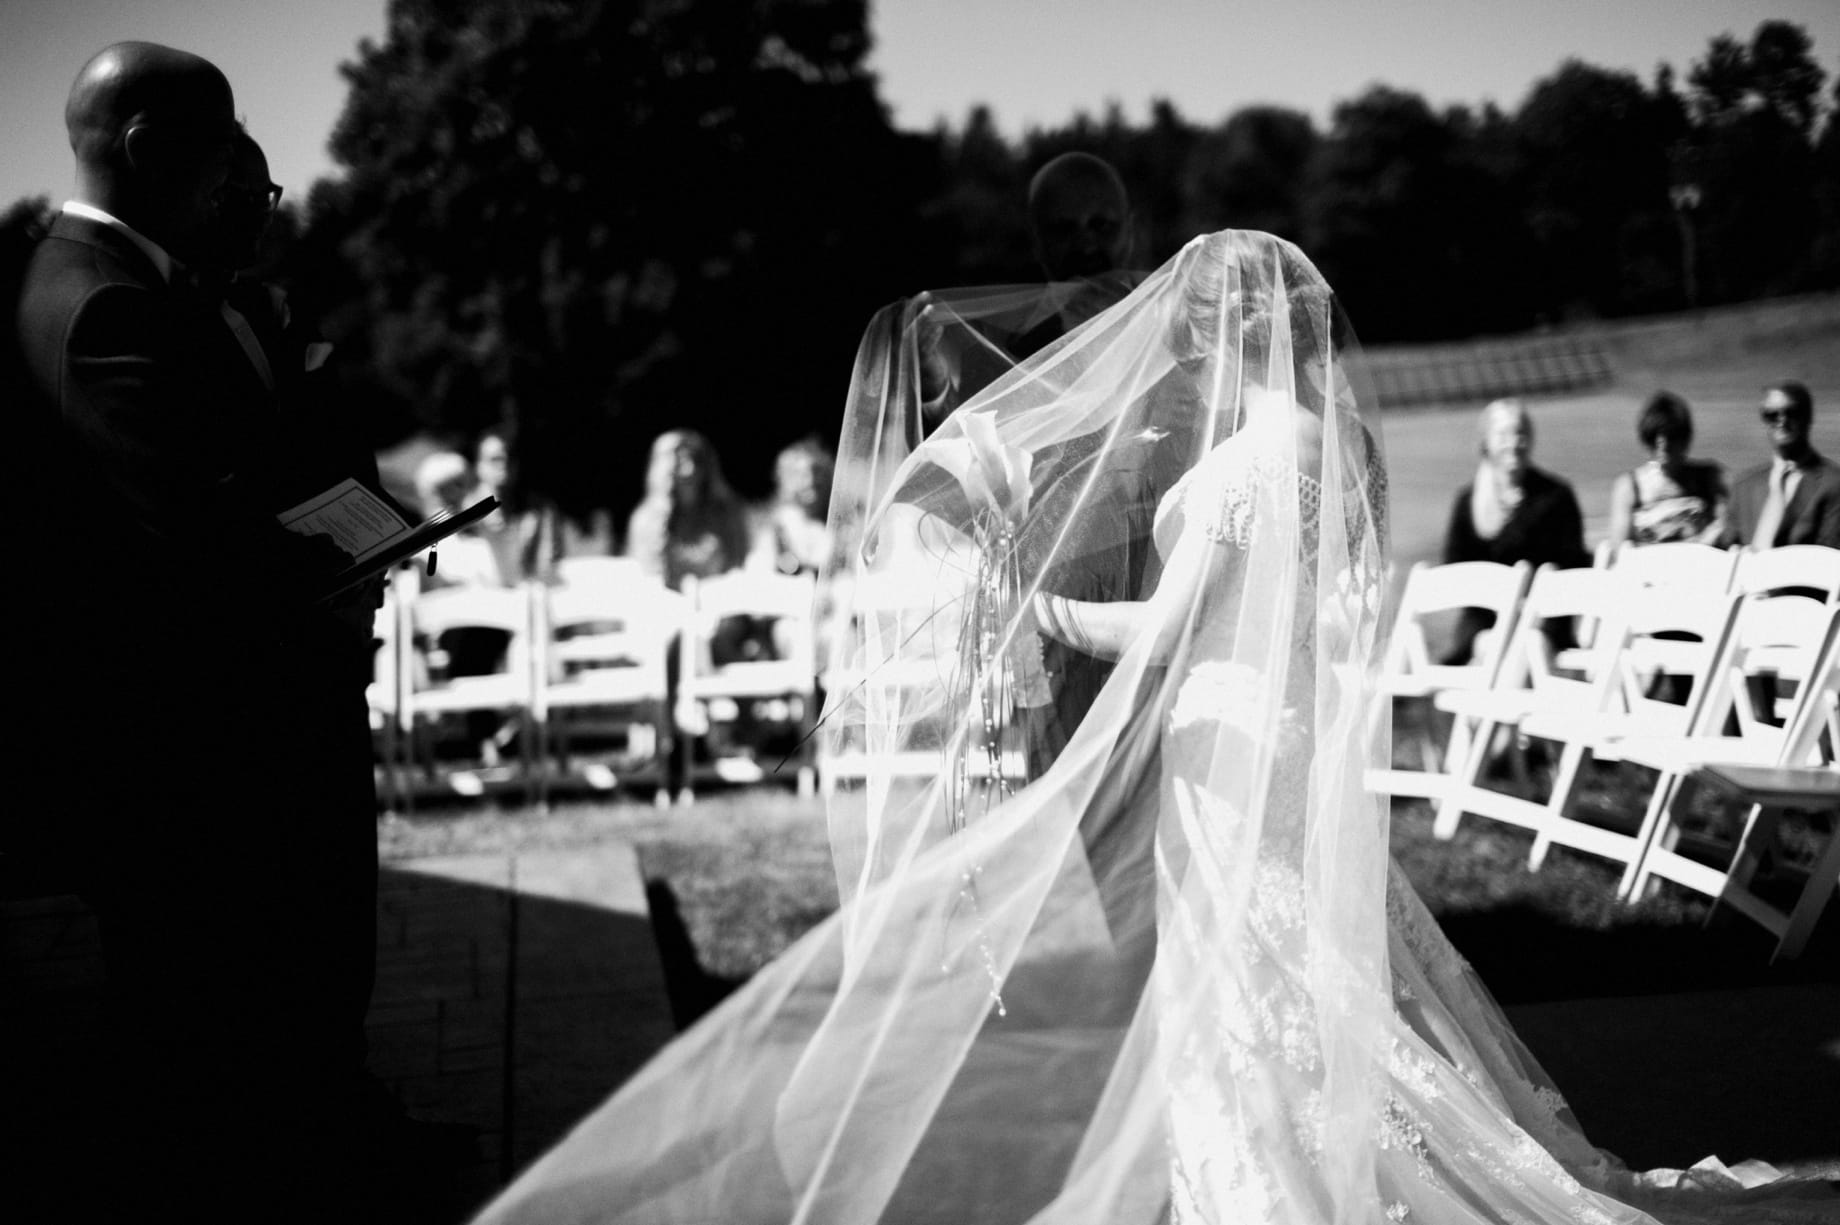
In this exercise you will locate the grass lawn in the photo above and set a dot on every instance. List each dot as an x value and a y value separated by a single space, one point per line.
741 874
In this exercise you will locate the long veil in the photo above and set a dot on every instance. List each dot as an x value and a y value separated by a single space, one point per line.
1119 941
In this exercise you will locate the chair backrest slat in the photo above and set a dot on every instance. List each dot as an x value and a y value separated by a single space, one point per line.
1678 564
1794 567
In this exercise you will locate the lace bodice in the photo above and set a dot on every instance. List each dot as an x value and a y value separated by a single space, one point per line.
1222 495
1246 490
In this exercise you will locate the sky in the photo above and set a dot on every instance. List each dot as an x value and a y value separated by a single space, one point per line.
1034 62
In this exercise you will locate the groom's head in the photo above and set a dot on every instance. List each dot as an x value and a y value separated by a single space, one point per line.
1080 217
151 128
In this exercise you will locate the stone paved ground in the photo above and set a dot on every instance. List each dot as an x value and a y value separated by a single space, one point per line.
513 994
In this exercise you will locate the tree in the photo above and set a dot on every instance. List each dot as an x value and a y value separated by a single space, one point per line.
1722 79
588 222
1824 257
1399 213
1750 163
24 222
978 209
1776 71
1249 173
1593 151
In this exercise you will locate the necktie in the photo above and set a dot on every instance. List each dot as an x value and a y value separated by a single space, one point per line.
212 289
1769 521
252 346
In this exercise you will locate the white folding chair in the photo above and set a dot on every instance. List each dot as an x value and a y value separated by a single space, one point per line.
1770 642
885 691
1408 671
1679 564
1812 568
1791 636
600 572
431 691
1534 679
601 664
1770 793
384 695
706 687
1659 634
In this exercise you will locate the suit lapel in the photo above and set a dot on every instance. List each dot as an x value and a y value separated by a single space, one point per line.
1813 478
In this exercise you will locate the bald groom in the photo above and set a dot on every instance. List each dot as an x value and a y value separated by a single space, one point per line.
179 650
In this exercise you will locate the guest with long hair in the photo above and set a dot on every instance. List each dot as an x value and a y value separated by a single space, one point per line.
690 523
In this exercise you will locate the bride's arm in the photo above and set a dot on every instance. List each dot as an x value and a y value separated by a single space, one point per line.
1100 630
1107 629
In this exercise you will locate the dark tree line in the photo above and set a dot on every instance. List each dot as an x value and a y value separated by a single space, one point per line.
591 220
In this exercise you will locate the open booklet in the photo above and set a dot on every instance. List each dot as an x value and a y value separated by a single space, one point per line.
371 531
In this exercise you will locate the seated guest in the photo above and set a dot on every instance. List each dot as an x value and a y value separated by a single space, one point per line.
1511 512
444 482
1671 497
1795 498
689 524
530 540
792 537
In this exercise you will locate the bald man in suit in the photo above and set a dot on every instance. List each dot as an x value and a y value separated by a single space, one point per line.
185 649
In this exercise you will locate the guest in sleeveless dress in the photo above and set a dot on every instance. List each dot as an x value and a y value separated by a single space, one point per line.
1671 497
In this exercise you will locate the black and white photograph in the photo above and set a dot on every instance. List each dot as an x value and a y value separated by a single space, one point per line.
922 612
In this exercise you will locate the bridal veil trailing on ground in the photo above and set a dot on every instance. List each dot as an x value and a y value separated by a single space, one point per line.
1119 940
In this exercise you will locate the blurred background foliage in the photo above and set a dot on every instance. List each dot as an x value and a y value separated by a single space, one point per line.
587 221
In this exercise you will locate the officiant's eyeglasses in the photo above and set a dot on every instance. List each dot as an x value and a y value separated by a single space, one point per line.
265 198
1776 416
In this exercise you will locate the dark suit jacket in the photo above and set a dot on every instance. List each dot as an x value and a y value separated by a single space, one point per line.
169 614
197 708
1812 516
158 449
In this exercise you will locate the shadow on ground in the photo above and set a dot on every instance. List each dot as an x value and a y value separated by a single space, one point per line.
1672 1042
691 989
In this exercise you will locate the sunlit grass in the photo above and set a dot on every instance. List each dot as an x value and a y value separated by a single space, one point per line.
749 871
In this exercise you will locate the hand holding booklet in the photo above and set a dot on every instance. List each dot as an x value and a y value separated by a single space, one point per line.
371 531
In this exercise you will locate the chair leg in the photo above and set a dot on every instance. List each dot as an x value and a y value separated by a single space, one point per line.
528 760
1753 837
1637 871
1462 779
539 759
1456 744
1572 762
405 761
1816 894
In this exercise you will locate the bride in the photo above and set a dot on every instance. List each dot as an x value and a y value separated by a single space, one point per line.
1153 967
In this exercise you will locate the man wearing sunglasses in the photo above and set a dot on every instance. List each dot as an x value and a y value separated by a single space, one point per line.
1795 498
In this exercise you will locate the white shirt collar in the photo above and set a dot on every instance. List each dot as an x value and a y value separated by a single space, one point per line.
163 263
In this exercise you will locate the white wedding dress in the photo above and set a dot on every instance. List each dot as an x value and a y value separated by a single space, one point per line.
1173 977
